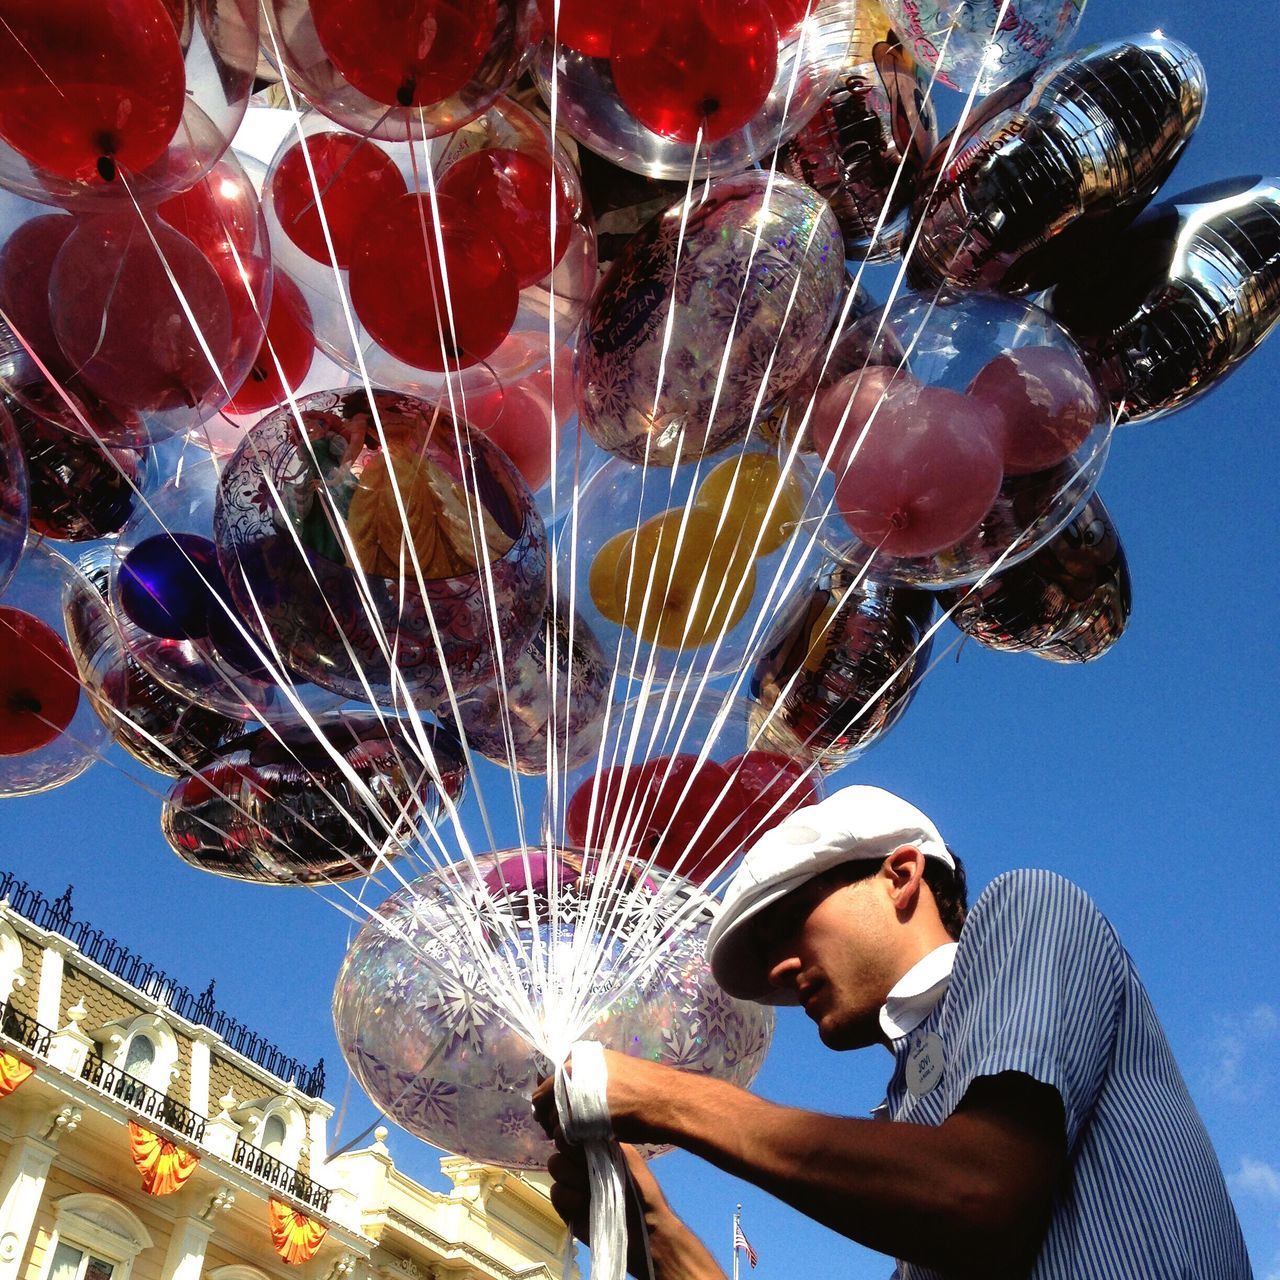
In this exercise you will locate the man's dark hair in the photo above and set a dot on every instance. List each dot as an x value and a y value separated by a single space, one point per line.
950 888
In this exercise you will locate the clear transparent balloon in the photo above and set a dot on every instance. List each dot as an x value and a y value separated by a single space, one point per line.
549 307
959 433
291 40
345 553
865 147
984 44
675 566
450 1001
588 104
48 731
158 727
215 664
216 42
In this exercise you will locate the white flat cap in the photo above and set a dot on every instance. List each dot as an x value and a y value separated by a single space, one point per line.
851 825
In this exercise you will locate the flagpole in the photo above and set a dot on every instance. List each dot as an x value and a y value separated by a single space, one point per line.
737 1215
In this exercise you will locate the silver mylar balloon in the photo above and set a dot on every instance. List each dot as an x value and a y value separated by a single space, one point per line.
866 146
842 663
1041 173
1069 602
1180 297
748 247
514 713
167 732
275 807
428 1004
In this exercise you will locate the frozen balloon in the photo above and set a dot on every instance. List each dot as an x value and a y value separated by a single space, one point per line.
750 245
357 596
983 43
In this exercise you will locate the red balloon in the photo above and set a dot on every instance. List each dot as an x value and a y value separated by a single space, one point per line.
26 263
789 14
585 25
398 286
927 472
774 786
407 53
518 420
684 64
654 809
221 217
290 337
119 319
39 688
842 411
90 87
1048 400
354 177
509 192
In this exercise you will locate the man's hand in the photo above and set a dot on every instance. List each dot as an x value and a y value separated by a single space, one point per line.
640 1095
676 1253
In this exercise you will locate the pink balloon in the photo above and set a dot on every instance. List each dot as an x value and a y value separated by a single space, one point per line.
858 394
1048 401
927 472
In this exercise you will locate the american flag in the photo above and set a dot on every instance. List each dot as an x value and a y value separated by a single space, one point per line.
741 1242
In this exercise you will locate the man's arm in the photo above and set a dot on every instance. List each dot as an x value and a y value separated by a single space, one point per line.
971 1196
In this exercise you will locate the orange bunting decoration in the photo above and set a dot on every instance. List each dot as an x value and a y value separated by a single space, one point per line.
13 1072
164 1167
295 1236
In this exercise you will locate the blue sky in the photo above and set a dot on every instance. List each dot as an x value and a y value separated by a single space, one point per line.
1149 777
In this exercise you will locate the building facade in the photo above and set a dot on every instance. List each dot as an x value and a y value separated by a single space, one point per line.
145 1135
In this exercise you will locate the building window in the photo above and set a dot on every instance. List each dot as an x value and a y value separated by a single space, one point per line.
70 1263
139 1060
94 1238
274 1132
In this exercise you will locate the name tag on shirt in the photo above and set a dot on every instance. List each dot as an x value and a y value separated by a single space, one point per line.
924 1065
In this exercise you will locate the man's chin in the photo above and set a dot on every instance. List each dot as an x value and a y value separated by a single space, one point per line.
839 1035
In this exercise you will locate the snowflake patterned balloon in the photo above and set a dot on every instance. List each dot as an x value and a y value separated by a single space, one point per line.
447 1002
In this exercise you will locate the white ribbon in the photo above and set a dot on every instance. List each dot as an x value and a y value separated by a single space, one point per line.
582 1102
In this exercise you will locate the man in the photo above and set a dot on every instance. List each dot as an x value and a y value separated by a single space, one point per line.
1035 1122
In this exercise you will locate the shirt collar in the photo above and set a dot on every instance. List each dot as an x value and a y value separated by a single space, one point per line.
916 994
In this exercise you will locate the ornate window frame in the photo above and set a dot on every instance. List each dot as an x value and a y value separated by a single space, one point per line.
253 1117
115 1038
100 1225
13 972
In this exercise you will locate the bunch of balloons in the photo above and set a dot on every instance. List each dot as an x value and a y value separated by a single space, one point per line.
403 402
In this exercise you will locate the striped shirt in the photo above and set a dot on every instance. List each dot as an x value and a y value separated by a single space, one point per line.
1042 985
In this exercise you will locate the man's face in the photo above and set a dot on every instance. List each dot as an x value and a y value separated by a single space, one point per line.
830 943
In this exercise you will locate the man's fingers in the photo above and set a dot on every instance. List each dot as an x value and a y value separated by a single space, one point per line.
566 1168
572 1206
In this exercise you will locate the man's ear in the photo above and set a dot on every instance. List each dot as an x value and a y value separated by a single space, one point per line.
904 870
